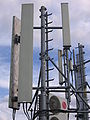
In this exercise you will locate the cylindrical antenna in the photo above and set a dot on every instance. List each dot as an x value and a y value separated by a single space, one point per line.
60 66
65 25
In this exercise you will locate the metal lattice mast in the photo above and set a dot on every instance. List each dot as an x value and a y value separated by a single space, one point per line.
81 83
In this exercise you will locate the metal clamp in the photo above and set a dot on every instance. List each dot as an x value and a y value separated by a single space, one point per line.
17 39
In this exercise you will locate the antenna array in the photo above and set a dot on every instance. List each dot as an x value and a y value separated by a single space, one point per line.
44 105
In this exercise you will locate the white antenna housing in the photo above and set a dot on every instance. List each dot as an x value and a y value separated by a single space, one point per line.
26 54
65 25
60 66
14 70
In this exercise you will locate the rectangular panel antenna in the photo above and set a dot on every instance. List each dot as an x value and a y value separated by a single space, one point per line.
26 54
60 66
65 25
13 90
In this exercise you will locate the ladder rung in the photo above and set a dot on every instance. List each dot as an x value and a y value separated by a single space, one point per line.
48 40
49 22
48 59
49 80
48 14
52 58
81 53
49 49
79 47
48 31
50 69
82 76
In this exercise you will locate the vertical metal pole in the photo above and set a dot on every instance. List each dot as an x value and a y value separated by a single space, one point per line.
68 84
47 65
75 76
64 69
74 63
43 86
79 82
84 87
13 115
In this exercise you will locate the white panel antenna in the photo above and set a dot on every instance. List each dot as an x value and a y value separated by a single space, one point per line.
57 102
65 25
60 66
26 54
13 91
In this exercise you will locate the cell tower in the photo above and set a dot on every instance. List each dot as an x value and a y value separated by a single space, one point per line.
45 104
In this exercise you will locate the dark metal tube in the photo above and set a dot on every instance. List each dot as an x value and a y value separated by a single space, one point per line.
48 27
62 87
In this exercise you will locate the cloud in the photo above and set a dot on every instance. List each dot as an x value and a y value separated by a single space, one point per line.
4 76
8 9
4 67
4 84
6 113
79 22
